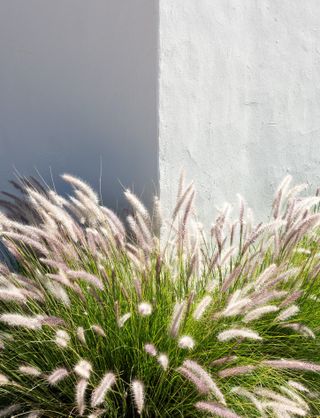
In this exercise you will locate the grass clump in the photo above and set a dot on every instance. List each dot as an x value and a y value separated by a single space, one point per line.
98 321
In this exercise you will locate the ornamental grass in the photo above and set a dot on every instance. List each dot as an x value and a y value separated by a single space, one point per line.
100 317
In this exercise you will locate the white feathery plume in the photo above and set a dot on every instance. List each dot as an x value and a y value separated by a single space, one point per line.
138 234
235 308
177 316
205 378
242 207
100 391
13 294
81 388
225 258
298 386
292 364
137 388
238 333
223 360
285 410
3 380
137 205
81 335
87 277
246 394
268 273
27 241
112 218
17 320
61 278
57 375
53 211
257 313
280 195
83 369
201 307
235 371
145 309
156 216
295 397
30 371
180 184
288 313
97 329
282 277
301 329
294 191
62 338
57 290
195 379
57 199
216 409
145 230
270 394
163 360
92 211
268 296
229 280
150 349
123 319
82 186
186 342
181 200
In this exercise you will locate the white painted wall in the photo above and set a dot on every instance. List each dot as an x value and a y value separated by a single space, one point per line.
239 97
78 83
239 94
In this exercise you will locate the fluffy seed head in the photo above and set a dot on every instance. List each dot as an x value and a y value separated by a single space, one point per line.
257 313
57 375
238 333
83 369
3 380
186 342
98 330
100 391
62 338
144 309
30 371
201 307
163 360
80 334
137 388
216 409
150 349
123 319
17 320
288 313
81 388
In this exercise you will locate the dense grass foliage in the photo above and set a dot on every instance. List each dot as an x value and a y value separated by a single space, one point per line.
99 321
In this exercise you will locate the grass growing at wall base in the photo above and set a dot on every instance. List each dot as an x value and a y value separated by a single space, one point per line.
104 320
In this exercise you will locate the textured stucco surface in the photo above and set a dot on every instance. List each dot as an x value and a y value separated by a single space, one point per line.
78 84
239 99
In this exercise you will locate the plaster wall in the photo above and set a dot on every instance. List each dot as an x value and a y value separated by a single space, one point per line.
239 102
78 86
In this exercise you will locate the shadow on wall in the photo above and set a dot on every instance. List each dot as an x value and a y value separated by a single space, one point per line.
78 83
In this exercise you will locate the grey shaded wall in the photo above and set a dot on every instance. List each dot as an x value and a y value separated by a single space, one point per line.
239 98
78 84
